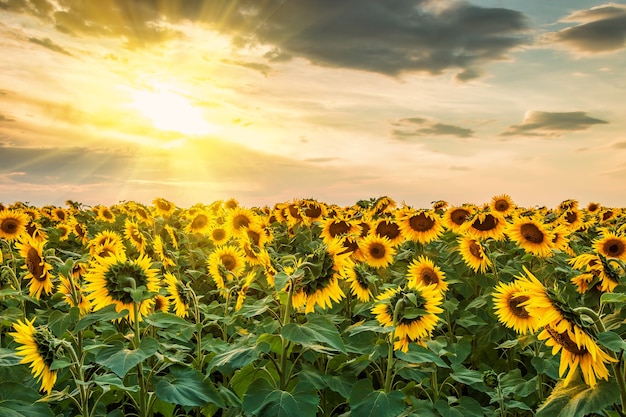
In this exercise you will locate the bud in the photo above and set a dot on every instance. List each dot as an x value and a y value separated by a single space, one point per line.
490 379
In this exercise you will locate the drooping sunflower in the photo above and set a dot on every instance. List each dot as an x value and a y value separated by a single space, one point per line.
110 280
38 349
485 224
531 235
473 254
200 222
508 300
133 234
172 234
12 224
179 294
360 277
455 217
79 230
38 269
73 294
164 207
597 271
241 293
422 226
611 245
224 264
253 245
36 231
423 270
560 241
503 204
105 214
377 251
578 351
159 250
417 306
384 205
389 228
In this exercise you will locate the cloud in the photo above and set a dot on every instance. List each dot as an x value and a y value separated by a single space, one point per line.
4 118
600 29
256 66
552 124
414 127
619 145
47 43
387 37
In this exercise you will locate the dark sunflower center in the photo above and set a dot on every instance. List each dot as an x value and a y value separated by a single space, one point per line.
516 308
487 224
475 250
459 216
107 214
531 233
79 230
337 228
313 212
163 205
60 214
365 228
564 340
421 223
228 261
159 304
613 248
34 264
241 221
218 234
571 217
199 221
429 277
254 237
377 250
119 279
592 207
388 229
9 226
105 251
501 205
294 212
607 215
350 246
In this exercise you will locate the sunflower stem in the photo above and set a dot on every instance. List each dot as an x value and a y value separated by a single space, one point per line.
285 342
388 374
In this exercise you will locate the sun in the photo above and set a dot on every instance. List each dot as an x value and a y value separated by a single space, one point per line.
170 111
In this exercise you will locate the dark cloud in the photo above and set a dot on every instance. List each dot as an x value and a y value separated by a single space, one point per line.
389 37
256 66
413 127
600 29
552 124
47 43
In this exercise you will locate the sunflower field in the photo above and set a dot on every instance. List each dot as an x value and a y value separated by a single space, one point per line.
311 309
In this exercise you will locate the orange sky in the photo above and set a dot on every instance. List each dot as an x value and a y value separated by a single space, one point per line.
266 101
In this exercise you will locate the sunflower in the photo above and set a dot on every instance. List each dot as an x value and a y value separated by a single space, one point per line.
253 245
423 270
38 269
200 222
79 231
531 235
541 302
572 219
312 211
360 276
163 207
73 293
134 236
159 250
377 251
241 293
12 224
218 234
34 230
486 225
239 219
608 214
105 214
611 245
59 214
179 294
336 227
384 205
595 269
225 264
172 234
105 237
578 350
142 214
415 309
455 217
38 349
502 204
422 226
390 229
64 230
160 304
473 254
593 208
231 204
560 241
508 300
110 281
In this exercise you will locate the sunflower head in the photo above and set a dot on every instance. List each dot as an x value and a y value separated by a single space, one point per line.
377 251
502 204
12 224
422 226
611 245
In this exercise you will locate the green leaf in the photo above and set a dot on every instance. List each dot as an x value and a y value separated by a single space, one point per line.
59 321
368 326
612 297
109 381
17 400
267 401
612 341
9 358
578 399
187 387
367 402
120 360
60 364
419 354
317 329
237 358
166 320
106 314
280 280
466 376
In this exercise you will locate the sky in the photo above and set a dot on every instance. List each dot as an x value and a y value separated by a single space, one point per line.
266 101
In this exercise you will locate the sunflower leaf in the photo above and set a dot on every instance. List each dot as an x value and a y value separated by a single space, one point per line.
579 399
120 360
365 401
266 400
187 387
317 329
106 314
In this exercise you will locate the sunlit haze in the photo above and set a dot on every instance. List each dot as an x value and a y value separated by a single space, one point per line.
264 102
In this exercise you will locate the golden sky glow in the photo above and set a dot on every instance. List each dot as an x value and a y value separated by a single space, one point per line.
268 101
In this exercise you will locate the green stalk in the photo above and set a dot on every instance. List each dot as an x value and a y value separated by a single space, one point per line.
79 376
388 374
285 343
